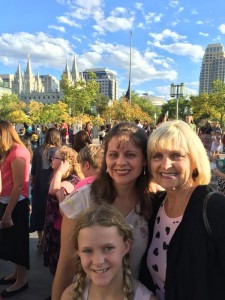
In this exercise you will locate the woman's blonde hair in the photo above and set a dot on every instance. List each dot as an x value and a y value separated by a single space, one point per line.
8 138
107 216
174 134
92 154
70 155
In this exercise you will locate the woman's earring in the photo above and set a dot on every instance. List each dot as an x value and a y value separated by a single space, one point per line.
144 170
195 173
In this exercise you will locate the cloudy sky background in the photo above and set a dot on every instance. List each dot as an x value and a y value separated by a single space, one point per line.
168 41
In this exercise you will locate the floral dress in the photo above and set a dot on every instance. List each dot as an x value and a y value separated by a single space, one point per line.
52 232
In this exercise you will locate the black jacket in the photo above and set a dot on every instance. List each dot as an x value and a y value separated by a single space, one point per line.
195 262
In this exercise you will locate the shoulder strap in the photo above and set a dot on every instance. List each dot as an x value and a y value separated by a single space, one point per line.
205 218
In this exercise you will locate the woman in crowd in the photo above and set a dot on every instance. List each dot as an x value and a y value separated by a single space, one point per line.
205 133
14 208
161 119
81 139
40 176
66 174
88 129
102 240
123 183
182 260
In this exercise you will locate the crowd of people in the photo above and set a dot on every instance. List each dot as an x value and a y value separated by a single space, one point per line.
131 217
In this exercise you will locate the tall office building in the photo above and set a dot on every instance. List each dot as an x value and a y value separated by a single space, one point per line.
108 84
213 67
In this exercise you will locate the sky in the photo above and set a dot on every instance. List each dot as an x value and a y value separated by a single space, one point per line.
168 39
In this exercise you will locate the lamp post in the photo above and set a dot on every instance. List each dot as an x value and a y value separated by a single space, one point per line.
177 90
110 104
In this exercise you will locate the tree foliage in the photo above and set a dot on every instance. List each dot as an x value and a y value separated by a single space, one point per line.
123 111
79 96
210 105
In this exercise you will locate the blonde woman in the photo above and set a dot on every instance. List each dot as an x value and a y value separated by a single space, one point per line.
14 208
183 261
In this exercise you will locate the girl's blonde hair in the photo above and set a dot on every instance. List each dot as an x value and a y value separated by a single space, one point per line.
93 154
70 155
174 134
104 215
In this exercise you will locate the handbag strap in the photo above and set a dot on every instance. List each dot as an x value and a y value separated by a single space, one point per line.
205 218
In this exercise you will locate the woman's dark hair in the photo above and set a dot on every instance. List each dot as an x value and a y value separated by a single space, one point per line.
160 118
103 190
81 139
52 138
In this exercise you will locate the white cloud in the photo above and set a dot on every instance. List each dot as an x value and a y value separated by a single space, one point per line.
52 52
174 3
140 25
58 28
113 24
118 11
200 22
139 5
165 34
66 20
203 34
222 28
153 17
79 40
195 52
118 56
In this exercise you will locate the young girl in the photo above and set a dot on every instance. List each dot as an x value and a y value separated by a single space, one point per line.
102 239
66 174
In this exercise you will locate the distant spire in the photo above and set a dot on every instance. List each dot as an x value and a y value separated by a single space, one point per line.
75 74
66 72
18 74
28 69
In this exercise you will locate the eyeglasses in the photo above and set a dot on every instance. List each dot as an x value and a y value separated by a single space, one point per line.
54 157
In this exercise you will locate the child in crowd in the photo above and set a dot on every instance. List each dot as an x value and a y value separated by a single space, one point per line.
90 160
102 240
217 146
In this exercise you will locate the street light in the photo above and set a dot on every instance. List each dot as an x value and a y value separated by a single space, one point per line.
177 90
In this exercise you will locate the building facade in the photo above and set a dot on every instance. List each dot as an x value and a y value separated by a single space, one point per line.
108 85
213 67
46 88
4 88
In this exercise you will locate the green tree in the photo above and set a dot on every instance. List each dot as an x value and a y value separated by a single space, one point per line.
10 104
101 102
79 96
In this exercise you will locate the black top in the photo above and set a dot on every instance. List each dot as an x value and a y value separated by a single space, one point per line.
195 263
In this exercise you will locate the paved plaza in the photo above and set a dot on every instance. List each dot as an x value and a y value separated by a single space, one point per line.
39 277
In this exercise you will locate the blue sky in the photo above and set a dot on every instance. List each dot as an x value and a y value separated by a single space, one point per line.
168 43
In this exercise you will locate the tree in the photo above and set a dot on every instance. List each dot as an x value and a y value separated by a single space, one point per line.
8 105
101 102
123 111
210 105
80 95
217 97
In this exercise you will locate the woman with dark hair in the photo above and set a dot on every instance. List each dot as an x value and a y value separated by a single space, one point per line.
161 119
14 208
81 139
122 182
40 174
